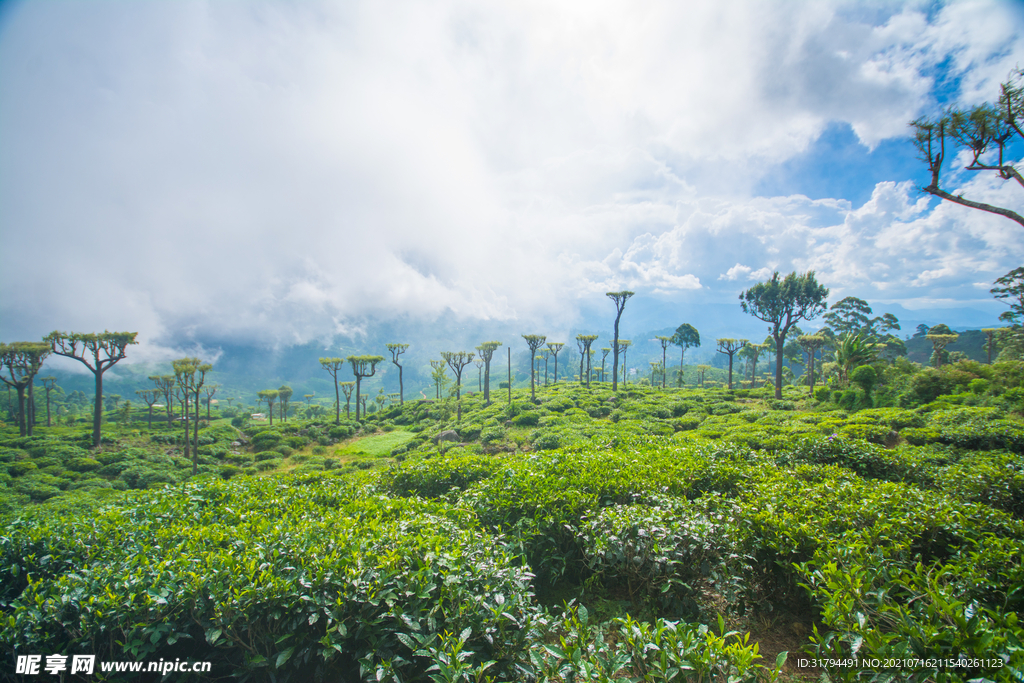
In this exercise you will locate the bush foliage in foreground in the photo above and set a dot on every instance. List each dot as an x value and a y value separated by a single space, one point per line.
432 567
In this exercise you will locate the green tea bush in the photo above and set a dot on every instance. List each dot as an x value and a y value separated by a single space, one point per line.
266 440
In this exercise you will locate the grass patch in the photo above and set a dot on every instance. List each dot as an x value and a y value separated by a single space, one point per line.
377 446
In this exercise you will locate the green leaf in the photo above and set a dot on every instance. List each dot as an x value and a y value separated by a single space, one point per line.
284 657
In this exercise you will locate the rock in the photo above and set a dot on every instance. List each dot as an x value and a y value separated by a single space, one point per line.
447 435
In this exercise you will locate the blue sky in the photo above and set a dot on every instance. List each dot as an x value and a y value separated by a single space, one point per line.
281 172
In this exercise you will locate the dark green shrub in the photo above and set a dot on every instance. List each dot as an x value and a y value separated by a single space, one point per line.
17 469
142 477
847 399
266 455
492 434
528 419
284 450
340 432
84 465
822 394
228 471
265 440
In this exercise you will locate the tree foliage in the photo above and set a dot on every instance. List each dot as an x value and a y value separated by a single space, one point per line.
984 132
619 299
96 351
783 303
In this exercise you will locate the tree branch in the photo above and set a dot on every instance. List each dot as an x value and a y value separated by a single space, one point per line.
1012 215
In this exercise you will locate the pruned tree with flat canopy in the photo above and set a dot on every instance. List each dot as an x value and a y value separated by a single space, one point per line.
332 366
49 384
362 367
584 341
190 375
730 347
534 341
782 303
619 299
665 341
811 344
150 396
486 353
96 351
621 347
22 362
554 348
396 351
457 361
165 385
268 396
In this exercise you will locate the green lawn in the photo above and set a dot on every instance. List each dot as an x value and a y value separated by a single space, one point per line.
378 446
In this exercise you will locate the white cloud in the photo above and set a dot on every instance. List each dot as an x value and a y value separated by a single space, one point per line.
281 171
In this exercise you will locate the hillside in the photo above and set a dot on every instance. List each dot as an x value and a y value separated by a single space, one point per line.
641 533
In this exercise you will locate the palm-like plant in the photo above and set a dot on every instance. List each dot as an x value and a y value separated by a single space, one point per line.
853 350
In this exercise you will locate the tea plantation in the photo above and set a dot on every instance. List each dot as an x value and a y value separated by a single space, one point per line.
643 535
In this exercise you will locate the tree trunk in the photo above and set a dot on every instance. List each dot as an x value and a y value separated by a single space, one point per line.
358 382
97 412
48 408
22 422
401 387
487 381
779 341
184 404
337 402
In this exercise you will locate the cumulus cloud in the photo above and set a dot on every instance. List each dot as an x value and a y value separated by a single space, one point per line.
280 172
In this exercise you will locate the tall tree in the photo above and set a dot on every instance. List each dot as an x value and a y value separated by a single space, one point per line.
396 351
440 377
849 315
604 356
332 366
621 347
554 348
753 352
686 336
701 373
347 388
811 344
165 385
534 341
284 394
268 396
210 390
584 341
990 341
457 360
619 299
150 396
479 363
729 347
49 384
665 341
941 336
22 362
190 375
783 303
486 351
984 132
1010 290
96 351
362 367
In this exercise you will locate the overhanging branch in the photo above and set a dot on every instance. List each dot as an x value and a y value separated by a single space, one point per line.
1012 215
